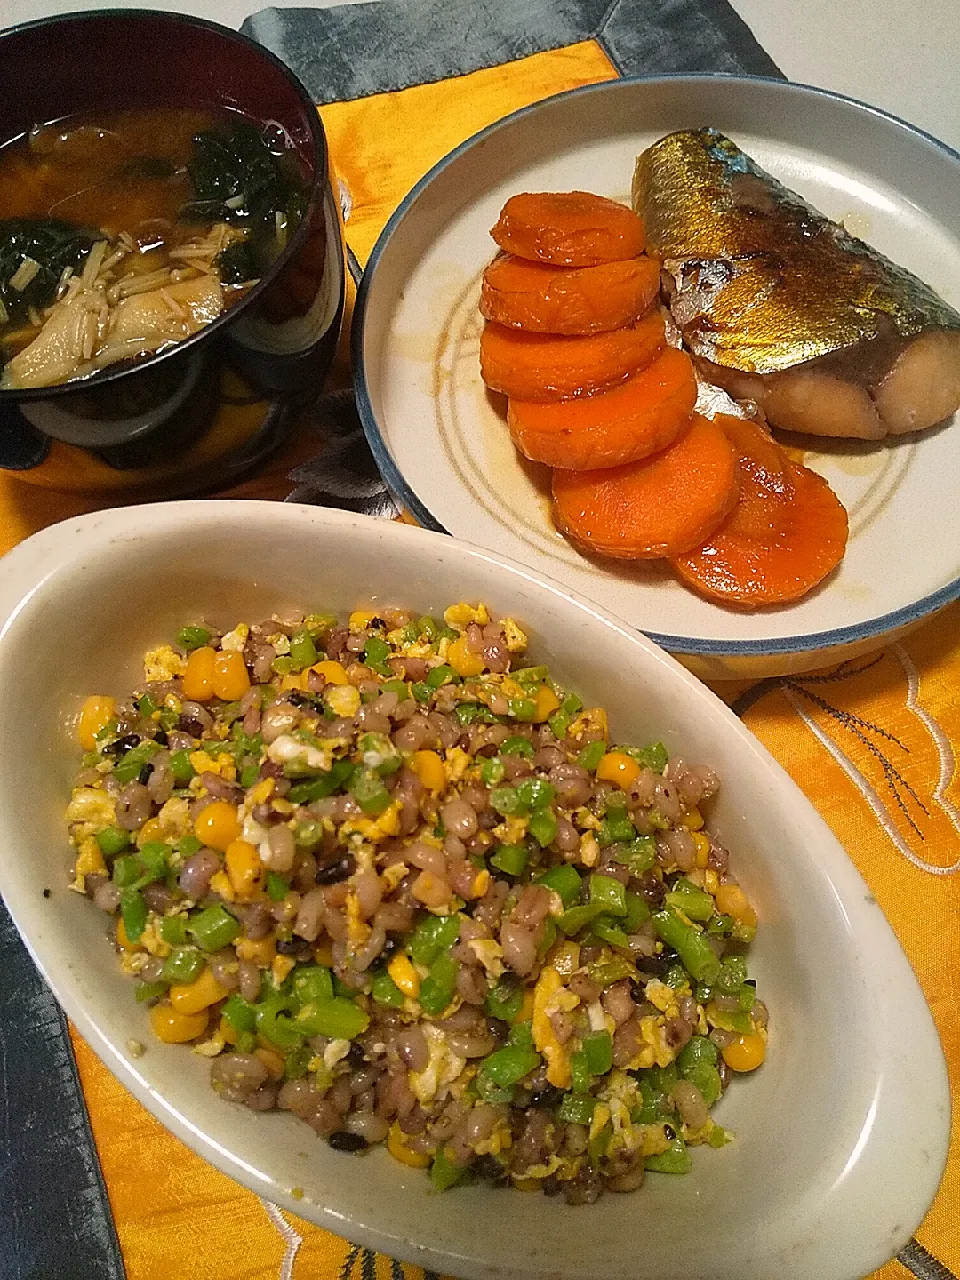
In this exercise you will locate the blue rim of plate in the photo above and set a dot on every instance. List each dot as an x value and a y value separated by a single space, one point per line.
396 482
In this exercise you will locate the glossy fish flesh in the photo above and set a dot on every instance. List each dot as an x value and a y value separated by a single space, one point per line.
782 306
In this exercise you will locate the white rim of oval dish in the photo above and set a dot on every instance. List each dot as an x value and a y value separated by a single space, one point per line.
916 148
846 1202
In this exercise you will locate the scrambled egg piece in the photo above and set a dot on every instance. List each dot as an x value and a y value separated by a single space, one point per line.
222 765
621 1095
565 1168
358 931
443 1067
342 699
150 939
287 749
163 663
510 830
660 995
593 719
500 1140
516 639
589 849
551 996
174 817
489 952
461 615
235 640
655 1049
392 875
211 1047
335 1052
93 807
383 827
456 762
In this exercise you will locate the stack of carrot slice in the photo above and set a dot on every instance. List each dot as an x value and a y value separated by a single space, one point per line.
787 531
576 342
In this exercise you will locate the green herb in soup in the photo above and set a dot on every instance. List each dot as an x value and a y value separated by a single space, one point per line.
129 232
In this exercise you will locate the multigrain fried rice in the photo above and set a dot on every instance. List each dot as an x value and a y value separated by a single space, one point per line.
390 877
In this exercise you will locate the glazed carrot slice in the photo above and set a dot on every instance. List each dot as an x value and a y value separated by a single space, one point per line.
639 417
657 507
542 366
786 533
542 298
569 228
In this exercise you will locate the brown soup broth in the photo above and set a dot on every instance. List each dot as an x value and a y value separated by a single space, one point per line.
181 208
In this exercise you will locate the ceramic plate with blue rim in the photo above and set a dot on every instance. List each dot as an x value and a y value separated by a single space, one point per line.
441 439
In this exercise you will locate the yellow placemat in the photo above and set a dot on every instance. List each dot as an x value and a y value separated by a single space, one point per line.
871 745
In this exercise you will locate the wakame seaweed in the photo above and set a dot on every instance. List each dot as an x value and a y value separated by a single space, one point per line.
237 179
53 244
237 263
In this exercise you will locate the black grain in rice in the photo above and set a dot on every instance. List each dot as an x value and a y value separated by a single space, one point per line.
341 1140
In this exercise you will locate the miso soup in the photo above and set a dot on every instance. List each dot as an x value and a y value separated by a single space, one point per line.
124 233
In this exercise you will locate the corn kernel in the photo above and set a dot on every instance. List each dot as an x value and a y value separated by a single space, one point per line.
260 950
332 672
360 619
217 826
261 791
546 703
618 767
96 712
230 678
746 1053
527 1184
397 1145
401 970
323 953
428 767
191 997
122 940
198 676
281 968
692 820
481 883
175 1027
293 681
463 660
227 1032
701 849
151 830
243 867
732 901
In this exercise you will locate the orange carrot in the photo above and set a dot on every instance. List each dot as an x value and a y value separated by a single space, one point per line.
542 298
786 533
541 366
654 507
570 229
639 417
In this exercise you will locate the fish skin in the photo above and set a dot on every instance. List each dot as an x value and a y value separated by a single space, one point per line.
764 282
